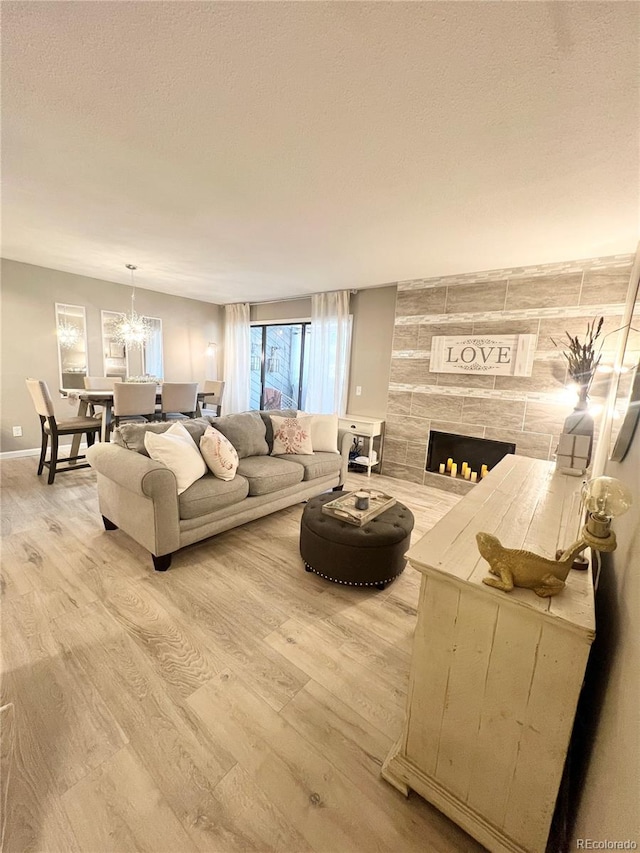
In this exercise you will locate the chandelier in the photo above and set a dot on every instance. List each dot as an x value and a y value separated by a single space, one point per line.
131 329
68 334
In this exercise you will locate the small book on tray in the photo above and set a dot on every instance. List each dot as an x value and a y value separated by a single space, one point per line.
344 507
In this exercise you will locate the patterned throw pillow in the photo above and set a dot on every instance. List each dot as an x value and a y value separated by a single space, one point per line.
219 454
292 436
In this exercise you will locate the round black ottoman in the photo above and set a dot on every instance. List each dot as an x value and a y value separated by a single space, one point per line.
371 555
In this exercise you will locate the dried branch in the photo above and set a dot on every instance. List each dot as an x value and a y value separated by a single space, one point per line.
582 358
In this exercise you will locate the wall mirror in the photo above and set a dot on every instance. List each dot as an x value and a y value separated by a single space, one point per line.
71 330
114 355
626 413
152 353
129 361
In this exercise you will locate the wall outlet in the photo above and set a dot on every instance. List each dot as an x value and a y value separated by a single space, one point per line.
17 431
358 390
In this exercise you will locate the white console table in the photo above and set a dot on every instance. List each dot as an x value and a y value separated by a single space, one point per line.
369 428
495 677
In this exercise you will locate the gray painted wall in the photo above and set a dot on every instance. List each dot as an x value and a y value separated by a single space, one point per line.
29 343
373 322
611 786
373 313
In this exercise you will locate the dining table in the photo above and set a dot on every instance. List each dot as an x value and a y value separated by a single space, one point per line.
104 398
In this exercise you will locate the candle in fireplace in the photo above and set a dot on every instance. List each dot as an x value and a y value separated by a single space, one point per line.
449 463
441 467
474 476
454 469
484 471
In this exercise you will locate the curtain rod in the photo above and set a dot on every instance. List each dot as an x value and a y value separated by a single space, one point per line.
290 299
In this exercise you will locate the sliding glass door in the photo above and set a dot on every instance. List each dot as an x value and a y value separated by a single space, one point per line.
279 365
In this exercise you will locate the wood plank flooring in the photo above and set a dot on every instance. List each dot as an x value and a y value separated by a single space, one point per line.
235 703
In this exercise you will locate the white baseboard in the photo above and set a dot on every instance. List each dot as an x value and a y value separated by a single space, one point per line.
35 451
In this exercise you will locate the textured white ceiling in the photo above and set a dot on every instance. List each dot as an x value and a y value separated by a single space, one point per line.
246 151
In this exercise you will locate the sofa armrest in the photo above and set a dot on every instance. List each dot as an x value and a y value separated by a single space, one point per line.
138 495
345 440
131 470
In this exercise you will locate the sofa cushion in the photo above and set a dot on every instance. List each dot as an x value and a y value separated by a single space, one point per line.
267 474
209 494
131 436
317 465
291 436
265 414
219 454
176 450
246 431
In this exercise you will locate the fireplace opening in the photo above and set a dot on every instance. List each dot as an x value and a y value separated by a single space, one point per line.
476 452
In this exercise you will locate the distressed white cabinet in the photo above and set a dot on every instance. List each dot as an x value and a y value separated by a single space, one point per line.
495 677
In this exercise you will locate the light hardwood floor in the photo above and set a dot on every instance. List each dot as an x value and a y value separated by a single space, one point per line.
234 703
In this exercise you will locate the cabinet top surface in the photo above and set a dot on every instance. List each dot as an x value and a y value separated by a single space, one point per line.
361 418
526 504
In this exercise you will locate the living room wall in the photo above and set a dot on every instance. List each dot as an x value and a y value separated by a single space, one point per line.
372 335
527 410
29 343
608 751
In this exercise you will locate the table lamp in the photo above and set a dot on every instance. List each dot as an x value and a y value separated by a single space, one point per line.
604 499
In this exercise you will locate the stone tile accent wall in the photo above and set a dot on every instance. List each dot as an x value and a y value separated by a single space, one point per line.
528 410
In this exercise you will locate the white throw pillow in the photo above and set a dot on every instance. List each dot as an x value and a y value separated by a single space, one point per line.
219 454
291 436
177 450
324 432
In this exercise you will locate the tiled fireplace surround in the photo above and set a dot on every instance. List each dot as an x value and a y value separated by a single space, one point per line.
528 410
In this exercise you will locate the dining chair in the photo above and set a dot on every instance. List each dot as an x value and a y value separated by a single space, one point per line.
50 426
134 401
99 383
213 392
179 400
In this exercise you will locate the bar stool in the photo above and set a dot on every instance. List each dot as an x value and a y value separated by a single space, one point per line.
51 426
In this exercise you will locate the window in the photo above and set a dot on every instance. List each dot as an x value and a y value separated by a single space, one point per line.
279 369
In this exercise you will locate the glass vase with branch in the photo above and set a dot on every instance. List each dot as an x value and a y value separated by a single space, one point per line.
583 358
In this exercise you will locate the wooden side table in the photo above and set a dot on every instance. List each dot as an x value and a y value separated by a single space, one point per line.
495 677
369 428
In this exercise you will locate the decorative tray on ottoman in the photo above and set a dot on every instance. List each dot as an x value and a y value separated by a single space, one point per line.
345 509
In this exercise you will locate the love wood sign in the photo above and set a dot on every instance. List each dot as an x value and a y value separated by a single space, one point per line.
501 355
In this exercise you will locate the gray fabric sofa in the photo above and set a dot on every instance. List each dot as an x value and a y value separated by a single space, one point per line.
140 496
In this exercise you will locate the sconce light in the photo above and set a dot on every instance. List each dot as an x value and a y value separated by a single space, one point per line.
604 498
211 349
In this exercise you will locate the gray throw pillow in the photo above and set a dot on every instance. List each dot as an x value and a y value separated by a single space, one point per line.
246 431
131 436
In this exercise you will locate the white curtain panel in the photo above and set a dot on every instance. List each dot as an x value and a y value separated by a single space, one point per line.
329 353
237 351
